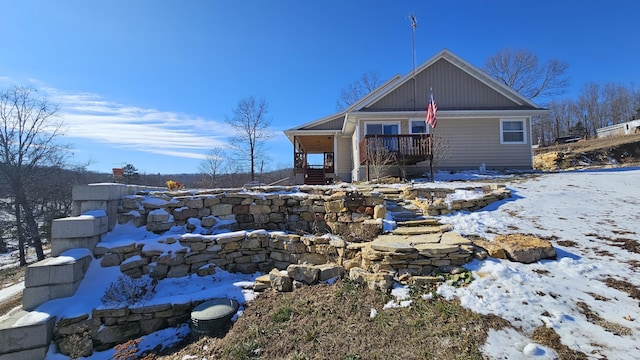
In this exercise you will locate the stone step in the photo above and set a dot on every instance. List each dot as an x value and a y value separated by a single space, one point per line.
419 222
405 216
417 230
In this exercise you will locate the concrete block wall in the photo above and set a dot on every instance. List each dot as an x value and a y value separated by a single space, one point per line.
73 240
55 277
25 336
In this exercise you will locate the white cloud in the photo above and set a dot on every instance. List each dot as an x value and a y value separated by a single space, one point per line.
91 117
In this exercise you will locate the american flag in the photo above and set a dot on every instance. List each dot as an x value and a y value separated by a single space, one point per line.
432 109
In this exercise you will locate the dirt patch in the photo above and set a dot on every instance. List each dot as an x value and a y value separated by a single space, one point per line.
623 286
9 277
548 337
598 297
635 264
595 319
623 150
331 322
10 303
628 244
567 243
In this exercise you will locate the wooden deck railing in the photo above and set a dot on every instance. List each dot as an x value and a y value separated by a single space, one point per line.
407 149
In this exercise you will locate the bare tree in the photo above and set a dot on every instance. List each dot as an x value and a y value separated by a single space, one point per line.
211 167
358 89
29 129
521 71
379 158
251 126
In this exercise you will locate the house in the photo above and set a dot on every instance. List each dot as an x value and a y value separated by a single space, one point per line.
481 123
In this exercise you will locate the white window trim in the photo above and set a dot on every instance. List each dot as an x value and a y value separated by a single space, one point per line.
427 127
524 132
382 123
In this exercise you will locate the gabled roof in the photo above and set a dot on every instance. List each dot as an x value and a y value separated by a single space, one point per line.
472 70
512 100
313 124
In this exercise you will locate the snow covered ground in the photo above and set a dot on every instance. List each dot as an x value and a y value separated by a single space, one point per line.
590 214
592 218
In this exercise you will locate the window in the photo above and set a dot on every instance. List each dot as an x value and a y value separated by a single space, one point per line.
419 127
382 129
513 132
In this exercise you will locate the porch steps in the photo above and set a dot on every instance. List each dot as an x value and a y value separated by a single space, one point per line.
315 177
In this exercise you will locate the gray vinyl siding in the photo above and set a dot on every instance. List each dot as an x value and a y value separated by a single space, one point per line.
452 87
334 124
472 142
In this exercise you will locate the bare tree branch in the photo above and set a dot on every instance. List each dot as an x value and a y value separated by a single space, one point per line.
358 89
251 128
29 129
211 167
521 71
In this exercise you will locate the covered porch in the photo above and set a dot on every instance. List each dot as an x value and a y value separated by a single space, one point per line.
314 172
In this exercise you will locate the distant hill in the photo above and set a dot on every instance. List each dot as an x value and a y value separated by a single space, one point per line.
617 150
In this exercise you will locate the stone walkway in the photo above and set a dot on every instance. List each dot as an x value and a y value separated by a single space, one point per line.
417 246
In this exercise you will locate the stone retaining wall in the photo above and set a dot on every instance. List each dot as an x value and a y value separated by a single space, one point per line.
104 328
239 251
245 232
319 210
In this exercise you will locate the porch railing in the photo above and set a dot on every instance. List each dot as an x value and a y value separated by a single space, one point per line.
407 149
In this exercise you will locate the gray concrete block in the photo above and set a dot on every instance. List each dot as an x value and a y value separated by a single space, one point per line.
58 246
57 270
33 297
104 191
79 226
29 354
27 341
90 205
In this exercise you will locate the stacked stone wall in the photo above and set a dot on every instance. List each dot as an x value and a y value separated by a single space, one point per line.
319 211
238 251
250 232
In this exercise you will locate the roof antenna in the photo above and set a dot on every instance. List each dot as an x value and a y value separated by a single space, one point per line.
414 25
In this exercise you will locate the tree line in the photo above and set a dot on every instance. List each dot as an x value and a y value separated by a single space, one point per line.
37 176
597 105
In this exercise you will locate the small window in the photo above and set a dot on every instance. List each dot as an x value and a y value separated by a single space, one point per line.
382 129
512 132
419 127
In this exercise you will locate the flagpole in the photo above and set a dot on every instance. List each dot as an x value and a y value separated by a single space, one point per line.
432 122
414 25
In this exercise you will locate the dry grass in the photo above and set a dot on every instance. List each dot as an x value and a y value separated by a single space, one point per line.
8 277
623 286
548 337
591 145
333 322
594 318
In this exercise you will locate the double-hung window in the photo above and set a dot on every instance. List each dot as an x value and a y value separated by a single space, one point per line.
513 131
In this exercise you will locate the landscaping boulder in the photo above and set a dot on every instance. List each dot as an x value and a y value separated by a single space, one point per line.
526 249
280 282
305 273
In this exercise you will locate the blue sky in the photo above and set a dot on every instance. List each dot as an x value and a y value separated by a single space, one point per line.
150 82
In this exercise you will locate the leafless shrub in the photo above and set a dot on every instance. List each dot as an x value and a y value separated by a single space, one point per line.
128 291
379 158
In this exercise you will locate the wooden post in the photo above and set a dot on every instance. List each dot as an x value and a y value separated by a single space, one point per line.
431 159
